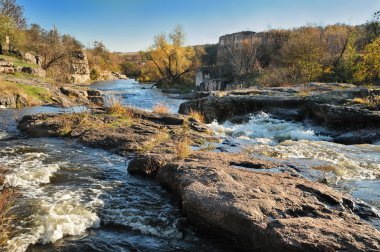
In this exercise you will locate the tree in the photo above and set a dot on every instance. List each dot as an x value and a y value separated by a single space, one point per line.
101 59
303 54
241 56
11 9
369 66
7 28
171 59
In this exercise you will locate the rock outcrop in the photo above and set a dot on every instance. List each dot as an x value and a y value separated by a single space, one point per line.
8 68
261 211
329 105
231 195
80 70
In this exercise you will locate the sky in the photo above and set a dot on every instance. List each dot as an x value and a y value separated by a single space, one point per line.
130 25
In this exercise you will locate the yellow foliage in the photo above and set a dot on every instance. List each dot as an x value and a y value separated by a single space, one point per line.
170 61
183 148
197 116
160 109
369 67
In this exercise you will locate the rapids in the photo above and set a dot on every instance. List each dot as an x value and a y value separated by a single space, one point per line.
74 198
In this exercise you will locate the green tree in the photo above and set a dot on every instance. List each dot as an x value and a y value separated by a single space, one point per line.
369 66
11 9
8 28
303 54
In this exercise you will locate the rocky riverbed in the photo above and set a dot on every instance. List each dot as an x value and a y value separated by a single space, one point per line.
350 113
260 205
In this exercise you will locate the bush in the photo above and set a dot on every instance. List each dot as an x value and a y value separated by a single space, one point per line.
94 75
197 116
183 148
160 109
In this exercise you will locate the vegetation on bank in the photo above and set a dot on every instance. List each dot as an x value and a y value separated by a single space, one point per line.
333 53
31 95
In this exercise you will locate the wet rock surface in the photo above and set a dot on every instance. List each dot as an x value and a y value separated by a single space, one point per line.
232 195
327 105
262 211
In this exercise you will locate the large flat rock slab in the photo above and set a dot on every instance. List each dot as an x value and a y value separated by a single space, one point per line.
263 211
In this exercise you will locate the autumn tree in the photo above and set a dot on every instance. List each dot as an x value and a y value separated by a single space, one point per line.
369 66
9 29
303 54
11 9
172 60
101 59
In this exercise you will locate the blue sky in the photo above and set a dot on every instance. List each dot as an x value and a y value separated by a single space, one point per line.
129 25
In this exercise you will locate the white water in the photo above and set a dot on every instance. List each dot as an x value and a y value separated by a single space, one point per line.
294 141
3 134
57 213
262 128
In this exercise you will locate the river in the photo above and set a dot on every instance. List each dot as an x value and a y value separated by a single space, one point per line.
74 198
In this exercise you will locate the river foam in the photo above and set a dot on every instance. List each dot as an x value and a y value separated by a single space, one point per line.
52 212
262 128
286 140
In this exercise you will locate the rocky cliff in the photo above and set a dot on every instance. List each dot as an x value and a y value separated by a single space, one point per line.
80 70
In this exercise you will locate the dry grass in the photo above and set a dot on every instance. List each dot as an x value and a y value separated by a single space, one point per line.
160 109
115 106
154 141
197 116
370 102
183 148
6 202
304 91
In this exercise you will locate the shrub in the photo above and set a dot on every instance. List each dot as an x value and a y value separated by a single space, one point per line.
115 106
197 116
160 109
94 75
183 148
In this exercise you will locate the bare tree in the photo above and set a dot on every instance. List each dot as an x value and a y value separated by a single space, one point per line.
11 9
242 56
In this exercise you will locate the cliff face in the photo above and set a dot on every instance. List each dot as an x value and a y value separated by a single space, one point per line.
80 70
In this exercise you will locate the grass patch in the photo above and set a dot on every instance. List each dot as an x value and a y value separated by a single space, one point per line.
121 122
155 140
160 109
371 102
197 116
18 62
183 148
115 106
33 94
208 147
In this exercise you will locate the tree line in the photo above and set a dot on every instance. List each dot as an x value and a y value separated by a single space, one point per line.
334 53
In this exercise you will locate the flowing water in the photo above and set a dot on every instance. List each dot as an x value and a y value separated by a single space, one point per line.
351 168
74 198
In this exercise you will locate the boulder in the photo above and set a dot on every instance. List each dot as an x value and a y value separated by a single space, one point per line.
262 211
34 71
